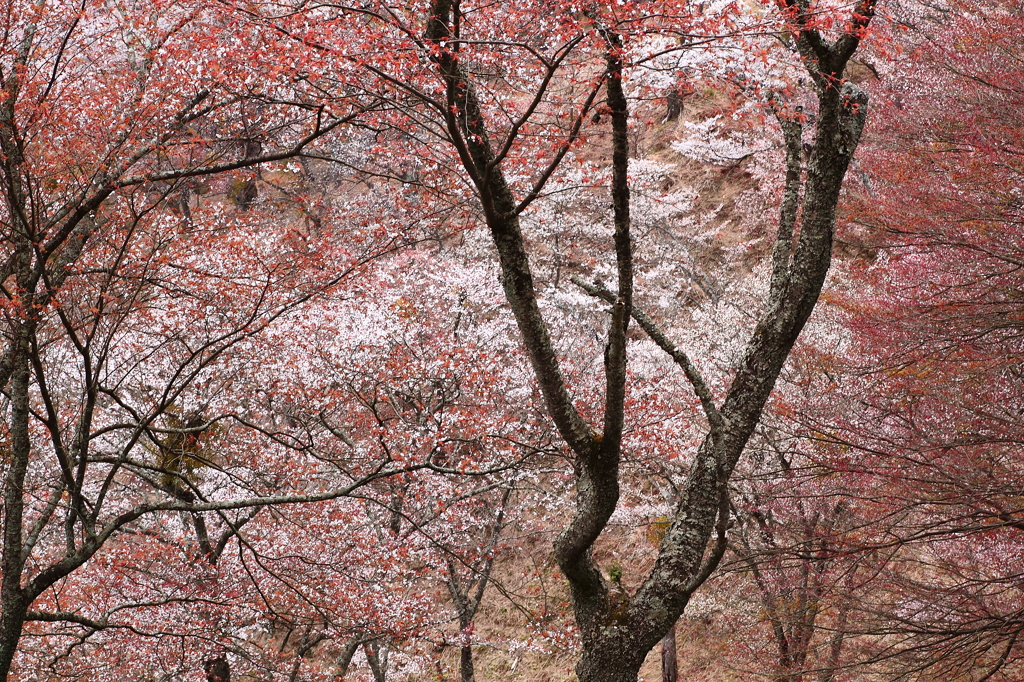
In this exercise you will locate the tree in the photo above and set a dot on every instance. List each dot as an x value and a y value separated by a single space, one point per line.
444 76
921 401
129 305
132 316
801 543
614 650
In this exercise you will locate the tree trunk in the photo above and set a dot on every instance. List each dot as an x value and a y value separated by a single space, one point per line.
674 102
669 665
217 669
13 600
10 633
377 657
466 663
344 659
613 664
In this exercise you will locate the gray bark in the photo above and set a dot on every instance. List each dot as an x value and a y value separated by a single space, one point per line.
669 664
377 656
344 659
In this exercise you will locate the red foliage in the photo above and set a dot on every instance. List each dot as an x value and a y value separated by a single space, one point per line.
924 401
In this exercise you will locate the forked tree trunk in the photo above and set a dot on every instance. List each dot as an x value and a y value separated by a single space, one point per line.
617 639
